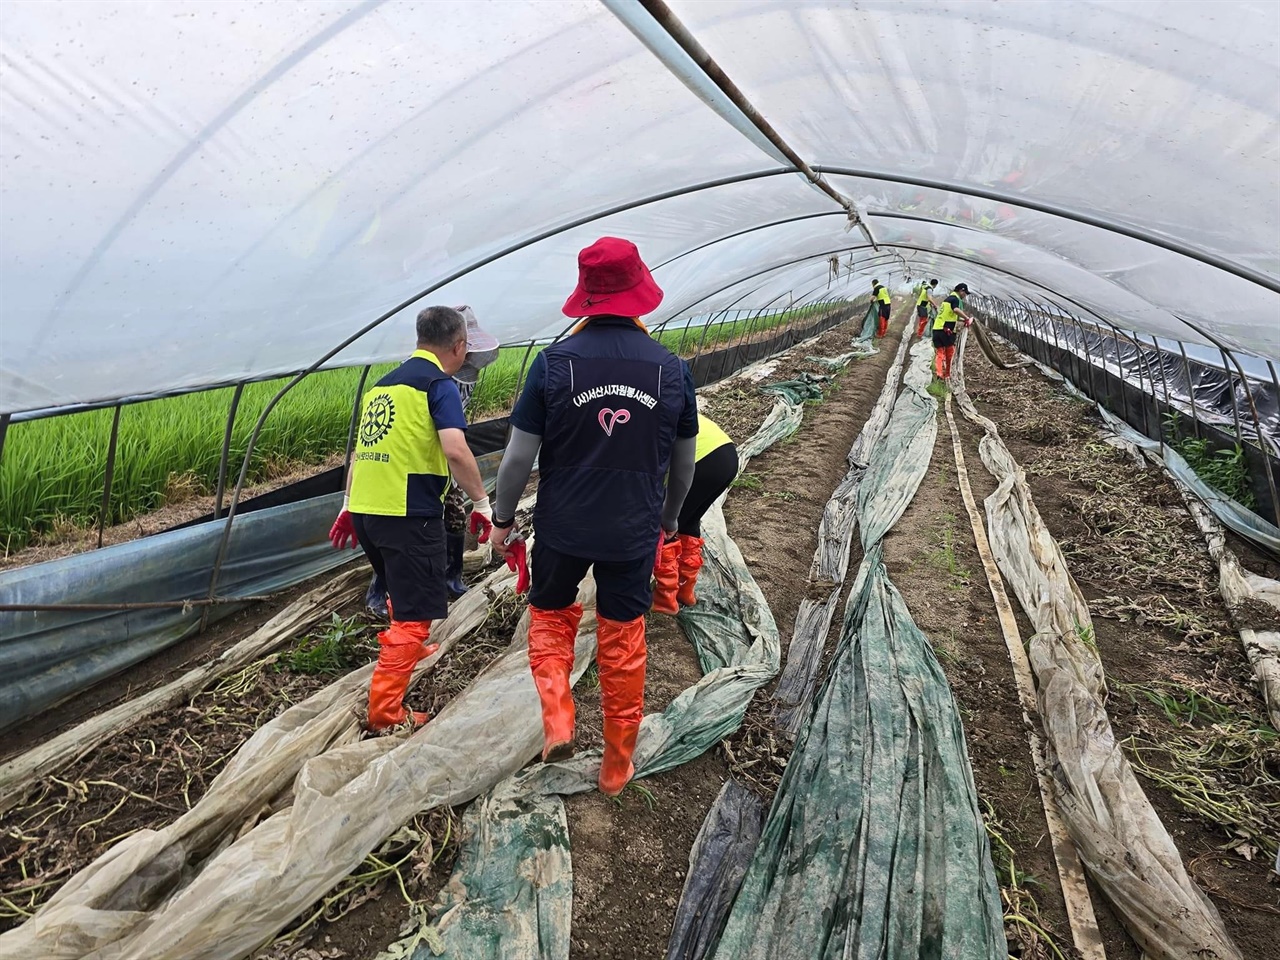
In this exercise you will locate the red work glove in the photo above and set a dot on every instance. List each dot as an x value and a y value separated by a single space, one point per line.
663 538
481 526
517 560
512 548
343 530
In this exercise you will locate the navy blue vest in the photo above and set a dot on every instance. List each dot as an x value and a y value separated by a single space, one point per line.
613 400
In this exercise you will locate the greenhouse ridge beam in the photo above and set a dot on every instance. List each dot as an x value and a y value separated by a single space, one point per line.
663 17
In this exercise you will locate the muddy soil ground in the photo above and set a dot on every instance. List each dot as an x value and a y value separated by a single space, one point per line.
1163 634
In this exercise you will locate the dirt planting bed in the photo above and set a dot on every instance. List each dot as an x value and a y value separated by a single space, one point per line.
1182 700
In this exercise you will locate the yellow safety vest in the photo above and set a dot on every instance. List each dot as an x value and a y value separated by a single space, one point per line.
923 295
710 438
883 295
398 467
946 314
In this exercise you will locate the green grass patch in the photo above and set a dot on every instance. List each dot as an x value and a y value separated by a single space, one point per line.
52 471
938 389
1224 469
335 649
748 481
943 555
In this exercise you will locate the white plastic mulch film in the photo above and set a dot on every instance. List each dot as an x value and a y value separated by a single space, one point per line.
194 193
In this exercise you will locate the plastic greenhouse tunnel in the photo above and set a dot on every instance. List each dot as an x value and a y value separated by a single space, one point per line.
979 652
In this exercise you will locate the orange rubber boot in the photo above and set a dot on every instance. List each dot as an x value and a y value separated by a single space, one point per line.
947 354
551 637
920 322
690 564
402 645
621 657
938 360
666 578
882 327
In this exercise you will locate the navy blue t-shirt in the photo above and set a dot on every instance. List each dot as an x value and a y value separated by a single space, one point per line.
609 403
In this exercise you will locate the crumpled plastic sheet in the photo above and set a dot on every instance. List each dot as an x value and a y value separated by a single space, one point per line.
1236 584
207 887
874 846
830 565
527 901
47 656
717 863
19 774
1120 838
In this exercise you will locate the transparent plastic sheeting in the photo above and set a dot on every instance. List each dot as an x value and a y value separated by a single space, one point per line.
48 656
228 190
1120 839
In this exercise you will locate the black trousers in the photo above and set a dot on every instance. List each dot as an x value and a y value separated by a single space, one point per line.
408 555
711 477
623 590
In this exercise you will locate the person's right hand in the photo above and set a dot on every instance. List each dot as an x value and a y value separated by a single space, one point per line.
343 530
499 538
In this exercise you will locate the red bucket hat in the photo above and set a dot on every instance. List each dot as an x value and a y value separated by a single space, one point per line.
612 279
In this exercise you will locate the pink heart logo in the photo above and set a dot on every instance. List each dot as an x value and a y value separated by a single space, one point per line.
610 418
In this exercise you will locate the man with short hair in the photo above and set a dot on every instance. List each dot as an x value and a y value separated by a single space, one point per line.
482 350
411 438
923 302
612 417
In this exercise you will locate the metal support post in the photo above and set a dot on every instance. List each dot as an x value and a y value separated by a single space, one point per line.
110 474
354 425
226 450
1191 389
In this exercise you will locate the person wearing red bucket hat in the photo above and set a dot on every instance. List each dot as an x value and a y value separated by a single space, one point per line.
612 417
613 280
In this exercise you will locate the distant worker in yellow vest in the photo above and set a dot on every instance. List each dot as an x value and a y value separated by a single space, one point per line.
715 467
923 302
950 313
412 436
881 296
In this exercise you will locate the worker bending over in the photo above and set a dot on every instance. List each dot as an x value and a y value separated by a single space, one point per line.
675 578
944 330
923 302
410 440
611 415
881 295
